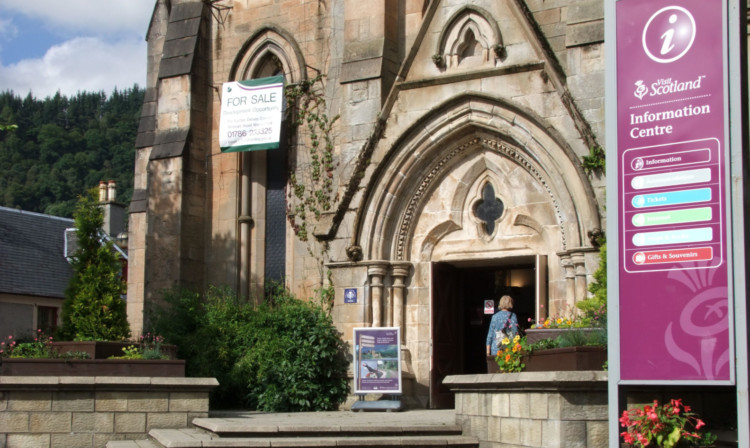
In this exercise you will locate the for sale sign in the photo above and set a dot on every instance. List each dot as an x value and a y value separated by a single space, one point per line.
251 113
674 307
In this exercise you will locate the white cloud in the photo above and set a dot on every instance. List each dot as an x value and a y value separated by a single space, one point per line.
87 16
80 64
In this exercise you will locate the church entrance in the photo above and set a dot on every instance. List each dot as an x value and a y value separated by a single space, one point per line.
459 323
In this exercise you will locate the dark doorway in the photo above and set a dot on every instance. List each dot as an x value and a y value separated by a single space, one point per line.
459 325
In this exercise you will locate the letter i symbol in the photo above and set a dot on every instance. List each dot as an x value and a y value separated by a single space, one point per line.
667 45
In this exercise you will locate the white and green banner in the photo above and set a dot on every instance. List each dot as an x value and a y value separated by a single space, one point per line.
251 113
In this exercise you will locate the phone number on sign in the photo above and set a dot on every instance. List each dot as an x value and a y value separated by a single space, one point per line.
245 133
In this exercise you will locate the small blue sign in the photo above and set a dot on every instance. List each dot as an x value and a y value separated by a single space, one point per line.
350 295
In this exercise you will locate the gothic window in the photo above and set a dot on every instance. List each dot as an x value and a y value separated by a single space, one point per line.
489 209
471 39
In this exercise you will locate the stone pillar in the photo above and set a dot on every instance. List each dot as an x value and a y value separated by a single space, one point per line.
570 280
579 264
376 274
399 274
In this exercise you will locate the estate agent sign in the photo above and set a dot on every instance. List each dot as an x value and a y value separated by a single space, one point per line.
251 113
674 307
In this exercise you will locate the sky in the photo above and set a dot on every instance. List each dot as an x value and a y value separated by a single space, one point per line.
72 45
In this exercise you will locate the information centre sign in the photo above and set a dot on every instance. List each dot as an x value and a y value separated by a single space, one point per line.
251 113
377 360
675 312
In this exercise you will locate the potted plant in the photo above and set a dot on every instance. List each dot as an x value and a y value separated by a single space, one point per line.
510 356
668 425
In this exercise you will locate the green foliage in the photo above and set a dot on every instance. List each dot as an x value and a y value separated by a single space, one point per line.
93 307
313 193
595 308
60 146
595 161
576 337
284 355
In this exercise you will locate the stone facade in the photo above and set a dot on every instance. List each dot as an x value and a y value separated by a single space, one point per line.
444 107
83 412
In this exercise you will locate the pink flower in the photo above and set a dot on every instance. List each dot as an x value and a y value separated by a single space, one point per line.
700 424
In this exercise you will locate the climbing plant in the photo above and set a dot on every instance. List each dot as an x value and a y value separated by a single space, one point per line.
594 161
311 186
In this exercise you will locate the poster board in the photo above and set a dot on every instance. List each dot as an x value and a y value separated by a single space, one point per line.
377 361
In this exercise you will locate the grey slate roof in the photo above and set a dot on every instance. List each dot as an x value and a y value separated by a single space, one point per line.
32 259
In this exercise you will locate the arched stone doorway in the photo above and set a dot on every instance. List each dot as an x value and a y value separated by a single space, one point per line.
480 190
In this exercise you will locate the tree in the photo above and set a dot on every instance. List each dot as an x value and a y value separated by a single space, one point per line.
93 307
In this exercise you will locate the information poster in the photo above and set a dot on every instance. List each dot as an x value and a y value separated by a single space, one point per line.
251 113
674 305
377 360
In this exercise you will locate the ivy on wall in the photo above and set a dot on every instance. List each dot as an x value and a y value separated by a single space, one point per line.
311 186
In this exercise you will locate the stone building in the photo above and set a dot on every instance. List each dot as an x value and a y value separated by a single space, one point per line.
452 171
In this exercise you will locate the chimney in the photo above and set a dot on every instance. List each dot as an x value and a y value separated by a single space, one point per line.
114 213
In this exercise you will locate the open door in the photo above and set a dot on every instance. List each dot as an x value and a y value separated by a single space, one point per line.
447 340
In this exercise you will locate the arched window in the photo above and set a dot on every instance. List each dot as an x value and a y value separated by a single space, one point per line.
262 221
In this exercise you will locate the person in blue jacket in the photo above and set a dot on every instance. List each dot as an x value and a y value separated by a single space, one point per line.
503 319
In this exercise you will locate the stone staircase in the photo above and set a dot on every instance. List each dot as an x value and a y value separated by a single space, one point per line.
319 429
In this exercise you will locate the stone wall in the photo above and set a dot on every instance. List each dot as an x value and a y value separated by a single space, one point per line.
83 412
533 409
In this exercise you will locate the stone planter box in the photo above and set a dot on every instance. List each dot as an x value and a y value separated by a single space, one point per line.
104 349
92 367
560 359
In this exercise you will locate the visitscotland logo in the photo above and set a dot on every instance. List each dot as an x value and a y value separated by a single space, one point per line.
666 86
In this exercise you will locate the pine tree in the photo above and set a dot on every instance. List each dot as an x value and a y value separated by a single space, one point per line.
93 307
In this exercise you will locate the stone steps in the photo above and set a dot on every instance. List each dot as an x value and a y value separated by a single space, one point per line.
343 429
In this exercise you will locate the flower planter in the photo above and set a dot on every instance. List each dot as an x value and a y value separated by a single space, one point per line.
560 359
104 349
566 358
534 335
92 367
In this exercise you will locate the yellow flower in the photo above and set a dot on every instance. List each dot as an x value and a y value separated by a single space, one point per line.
516 339
559 320
505 341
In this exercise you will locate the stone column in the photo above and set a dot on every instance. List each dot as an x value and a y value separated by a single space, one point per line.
376 274
579 263
399 274
570 280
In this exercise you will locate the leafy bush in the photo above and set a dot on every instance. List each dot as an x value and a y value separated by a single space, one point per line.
284 355
595 308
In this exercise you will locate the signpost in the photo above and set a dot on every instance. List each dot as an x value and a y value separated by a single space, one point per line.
670 197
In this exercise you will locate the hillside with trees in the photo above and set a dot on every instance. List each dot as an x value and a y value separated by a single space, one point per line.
63 146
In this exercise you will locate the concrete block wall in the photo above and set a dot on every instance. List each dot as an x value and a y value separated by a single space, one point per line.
533 409
87 412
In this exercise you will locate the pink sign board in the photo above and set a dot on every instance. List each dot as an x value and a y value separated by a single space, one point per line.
675 312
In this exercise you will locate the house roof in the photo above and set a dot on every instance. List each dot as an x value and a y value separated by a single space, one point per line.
32 253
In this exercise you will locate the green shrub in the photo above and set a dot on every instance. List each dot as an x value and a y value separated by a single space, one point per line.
284 355
595 307
93 307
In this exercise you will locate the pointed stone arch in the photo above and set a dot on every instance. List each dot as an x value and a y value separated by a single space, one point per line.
453 132
265 45
471 37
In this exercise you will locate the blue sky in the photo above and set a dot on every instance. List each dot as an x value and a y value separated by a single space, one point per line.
72 45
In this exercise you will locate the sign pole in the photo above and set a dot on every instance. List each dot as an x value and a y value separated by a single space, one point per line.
736 30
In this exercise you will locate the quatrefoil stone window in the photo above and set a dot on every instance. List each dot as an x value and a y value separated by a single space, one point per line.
489 209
